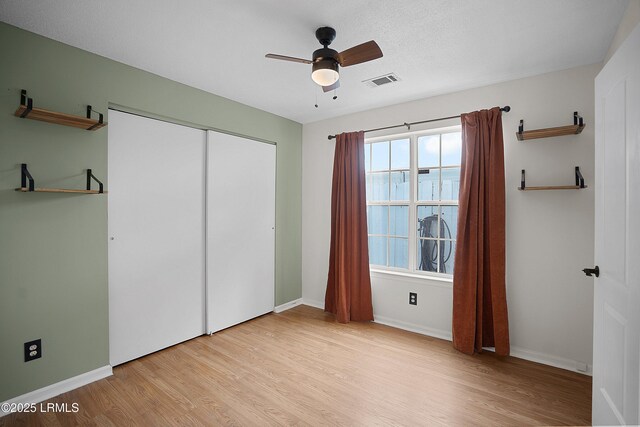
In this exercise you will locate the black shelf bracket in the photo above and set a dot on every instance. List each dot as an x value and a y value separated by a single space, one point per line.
522 180
100 117
24 176
91 176
24 100
579 178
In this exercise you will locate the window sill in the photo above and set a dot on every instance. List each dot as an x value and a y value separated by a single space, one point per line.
441 281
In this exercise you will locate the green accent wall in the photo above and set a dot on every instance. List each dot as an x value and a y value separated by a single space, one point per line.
53 247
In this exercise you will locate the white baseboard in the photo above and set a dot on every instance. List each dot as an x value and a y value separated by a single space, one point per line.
412 327
392 322
287 305
312 303
519 352
547 359
54 390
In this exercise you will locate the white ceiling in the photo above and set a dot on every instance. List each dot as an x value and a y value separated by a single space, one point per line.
434 46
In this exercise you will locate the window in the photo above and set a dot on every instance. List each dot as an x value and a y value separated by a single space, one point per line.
412 201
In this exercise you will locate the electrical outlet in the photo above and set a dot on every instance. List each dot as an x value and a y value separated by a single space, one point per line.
413 298
32 350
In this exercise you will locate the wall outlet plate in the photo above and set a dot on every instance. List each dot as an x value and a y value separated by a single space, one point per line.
413 298
32 350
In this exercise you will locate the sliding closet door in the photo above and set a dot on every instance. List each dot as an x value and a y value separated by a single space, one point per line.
241 188
156 235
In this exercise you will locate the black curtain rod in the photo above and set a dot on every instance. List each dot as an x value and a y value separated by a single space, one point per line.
506 109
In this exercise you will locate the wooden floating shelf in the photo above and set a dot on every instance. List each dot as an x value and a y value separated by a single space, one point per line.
549 132
574 129
553 187
27 184
58 118
58 190
578 186
26 110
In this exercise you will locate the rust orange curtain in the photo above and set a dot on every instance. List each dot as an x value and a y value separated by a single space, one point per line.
348 293
479 295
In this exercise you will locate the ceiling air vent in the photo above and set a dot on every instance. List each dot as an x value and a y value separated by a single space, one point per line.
381 80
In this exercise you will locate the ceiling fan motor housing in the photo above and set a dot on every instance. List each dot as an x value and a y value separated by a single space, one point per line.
325 53
325 35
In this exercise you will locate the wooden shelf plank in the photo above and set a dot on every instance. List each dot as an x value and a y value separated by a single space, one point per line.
60 118
553 187
549 132
58 190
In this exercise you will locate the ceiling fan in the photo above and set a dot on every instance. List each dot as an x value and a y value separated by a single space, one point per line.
326 61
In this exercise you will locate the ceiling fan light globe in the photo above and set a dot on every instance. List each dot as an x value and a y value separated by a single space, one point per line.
325 72
325 77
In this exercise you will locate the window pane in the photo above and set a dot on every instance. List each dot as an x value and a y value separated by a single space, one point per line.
400 154
367 157
380 156
451 148
400 185
394 188
378 250
428 221
448 252
449 222
450 184
399 221
398 252
377 219
427 255
429 184
428 151
379 186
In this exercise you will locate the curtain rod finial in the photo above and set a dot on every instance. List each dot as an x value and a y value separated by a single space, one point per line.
506 108
330 137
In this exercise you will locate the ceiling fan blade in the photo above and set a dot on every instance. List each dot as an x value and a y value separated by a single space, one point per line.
329 88
287 58
358 54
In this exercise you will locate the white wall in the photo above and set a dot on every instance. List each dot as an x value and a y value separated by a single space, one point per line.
630 19
549 233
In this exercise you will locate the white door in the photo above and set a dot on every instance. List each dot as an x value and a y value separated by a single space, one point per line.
241 188
156 235
616 343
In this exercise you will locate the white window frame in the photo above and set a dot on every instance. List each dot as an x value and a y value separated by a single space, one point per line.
413 202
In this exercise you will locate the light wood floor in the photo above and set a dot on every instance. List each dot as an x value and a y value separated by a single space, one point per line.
301 368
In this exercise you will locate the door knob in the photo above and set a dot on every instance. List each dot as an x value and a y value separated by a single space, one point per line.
592 271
